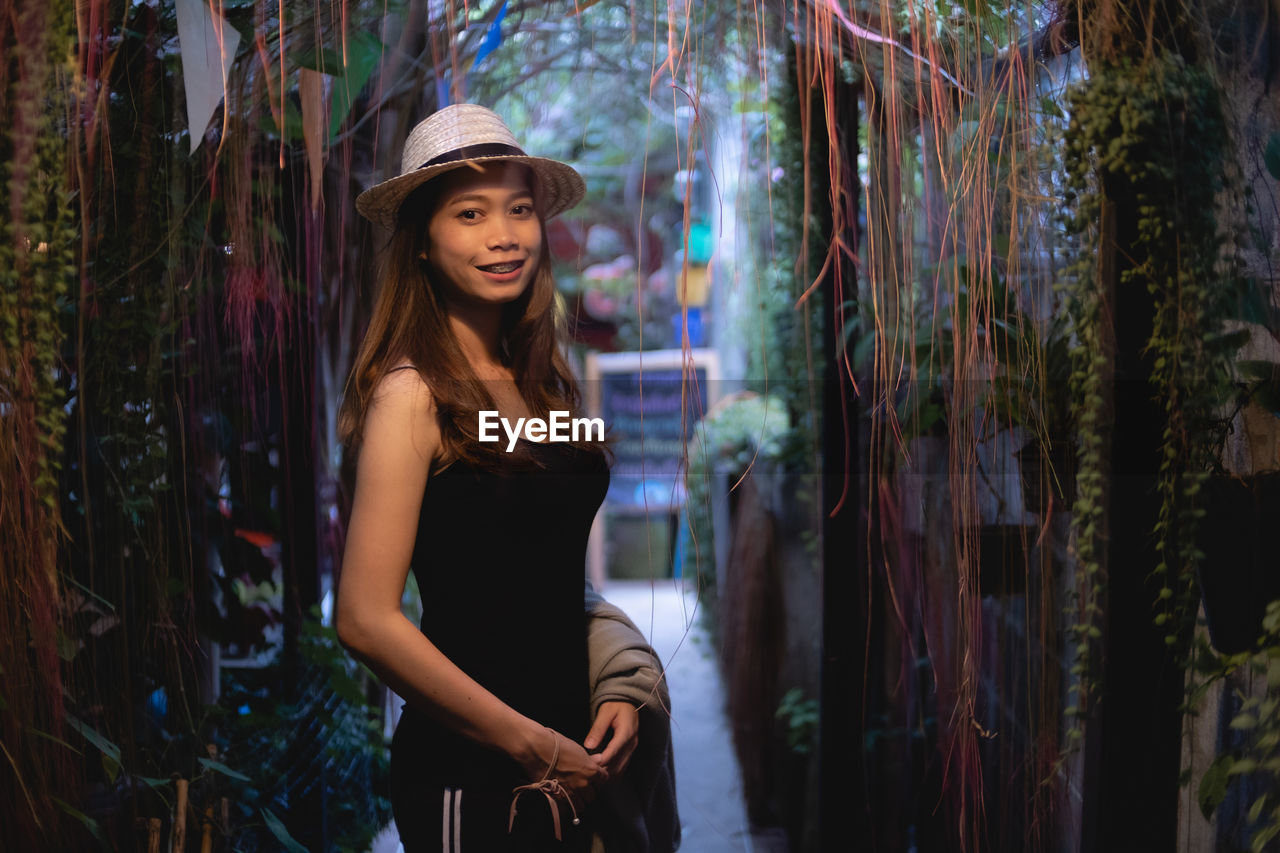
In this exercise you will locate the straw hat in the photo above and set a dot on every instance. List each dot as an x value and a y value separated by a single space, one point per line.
453 137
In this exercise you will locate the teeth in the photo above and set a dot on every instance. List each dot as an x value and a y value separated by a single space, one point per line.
501 268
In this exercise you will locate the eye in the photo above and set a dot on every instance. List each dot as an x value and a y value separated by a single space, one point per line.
522 210
469 215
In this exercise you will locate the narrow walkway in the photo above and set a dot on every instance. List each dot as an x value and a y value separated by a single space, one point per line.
708 782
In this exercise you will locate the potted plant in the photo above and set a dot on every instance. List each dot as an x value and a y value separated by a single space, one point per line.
1238 572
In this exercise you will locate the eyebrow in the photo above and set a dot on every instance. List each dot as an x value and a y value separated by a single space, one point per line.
465 197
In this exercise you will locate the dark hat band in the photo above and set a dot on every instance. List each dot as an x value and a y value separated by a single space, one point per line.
471 152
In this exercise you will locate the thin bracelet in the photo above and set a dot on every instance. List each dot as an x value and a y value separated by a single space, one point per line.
555 755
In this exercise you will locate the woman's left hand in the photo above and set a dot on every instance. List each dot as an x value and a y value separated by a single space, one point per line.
624 720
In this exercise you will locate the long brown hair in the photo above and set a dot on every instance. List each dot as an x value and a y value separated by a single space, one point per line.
410 324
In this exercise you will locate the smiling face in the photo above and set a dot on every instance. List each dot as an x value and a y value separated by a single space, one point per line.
484 239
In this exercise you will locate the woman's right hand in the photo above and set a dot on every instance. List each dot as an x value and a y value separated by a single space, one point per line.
579 772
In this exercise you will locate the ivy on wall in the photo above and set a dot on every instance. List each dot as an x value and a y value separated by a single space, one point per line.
1145 128
38 239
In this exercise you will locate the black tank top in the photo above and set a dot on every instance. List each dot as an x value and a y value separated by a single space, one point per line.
499 560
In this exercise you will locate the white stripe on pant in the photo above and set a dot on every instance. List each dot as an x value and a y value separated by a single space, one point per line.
451 817
444 821
457 821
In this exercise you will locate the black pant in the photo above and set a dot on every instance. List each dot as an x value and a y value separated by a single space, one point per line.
436 817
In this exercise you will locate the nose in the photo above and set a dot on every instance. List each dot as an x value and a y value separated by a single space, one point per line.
501 234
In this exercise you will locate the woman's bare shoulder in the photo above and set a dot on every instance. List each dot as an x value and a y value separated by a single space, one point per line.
402 408
403 380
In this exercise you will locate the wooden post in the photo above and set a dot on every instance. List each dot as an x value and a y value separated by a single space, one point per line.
154 827
206 828
179 842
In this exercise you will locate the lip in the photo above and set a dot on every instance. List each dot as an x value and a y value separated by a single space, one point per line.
504 277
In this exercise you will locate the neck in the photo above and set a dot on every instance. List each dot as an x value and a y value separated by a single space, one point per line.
478 330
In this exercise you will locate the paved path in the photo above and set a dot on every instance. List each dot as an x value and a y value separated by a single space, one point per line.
708 782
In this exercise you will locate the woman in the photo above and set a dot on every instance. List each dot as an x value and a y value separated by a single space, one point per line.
494 750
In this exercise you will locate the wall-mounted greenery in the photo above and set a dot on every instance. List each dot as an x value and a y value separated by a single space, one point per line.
785 333
1253 765
1143 128
39 239
740 437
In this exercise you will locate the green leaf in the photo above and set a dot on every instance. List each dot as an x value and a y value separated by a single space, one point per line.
1263 836
1213 785
278 829
1244 765
292 129
347 688
1000 248
1244 722
67 647
107 604
363 53
50 737
1272 156
219 767
89 823
1255 811
1232 341
109 749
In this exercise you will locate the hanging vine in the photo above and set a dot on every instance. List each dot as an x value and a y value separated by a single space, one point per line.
38 236
1147 126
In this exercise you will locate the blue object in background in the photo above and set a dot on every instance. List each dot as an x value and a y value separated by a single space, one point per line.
677 557
442 89
697 332
492 38
158 705
701 243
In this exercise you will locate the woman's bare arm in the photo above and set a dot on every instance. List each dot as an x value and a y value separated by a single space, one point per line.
401 436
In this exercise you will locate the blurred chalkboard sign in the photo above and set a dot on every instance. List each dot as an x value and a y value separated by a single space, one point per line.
650 402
